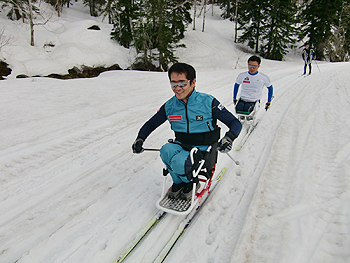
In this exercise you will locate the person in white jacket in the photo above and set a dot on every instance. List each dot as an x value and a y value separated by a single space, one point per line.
252 83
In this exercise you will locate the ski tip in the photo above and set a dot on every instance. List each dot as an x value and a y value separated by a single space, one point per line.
221 174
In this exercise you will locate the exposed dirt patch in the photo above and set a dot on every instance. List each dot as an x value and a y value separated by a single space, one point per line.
4 70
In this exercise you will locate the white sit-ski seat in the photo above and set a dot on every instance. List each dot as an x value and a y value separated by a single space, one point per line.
248 117
202 176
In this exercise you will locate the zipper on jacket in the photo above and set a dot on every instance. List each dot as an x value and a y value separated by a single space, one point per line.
188 123
208 125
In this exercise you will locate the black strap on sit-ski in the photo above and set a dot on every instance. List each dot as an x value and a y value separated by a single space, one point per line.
197 139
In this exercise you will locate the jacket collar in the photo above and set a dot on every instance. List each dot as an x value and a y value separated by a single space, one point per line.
256 73
190 98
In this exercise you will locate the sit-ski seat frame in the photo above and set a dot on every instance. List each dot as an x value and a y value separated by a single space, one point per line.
248 118
202 175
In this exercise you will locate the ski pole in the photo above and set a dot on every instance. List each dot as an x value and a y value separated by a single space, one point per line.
236 162
150 149
317 66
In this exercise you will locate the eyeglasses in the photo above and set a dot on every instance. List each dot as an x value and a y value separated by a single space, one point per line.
252 66
181 84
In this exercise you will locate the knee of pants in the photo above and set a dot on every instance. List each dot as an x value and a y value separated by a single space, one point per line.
168 150
240 106
174 157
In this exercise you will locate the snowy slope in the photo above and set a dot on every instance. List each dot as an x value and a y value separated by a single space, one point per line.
72 191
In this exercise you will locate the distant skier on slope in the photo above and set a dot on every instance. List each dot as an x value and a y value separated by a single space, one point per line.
252 83
308 55
193 117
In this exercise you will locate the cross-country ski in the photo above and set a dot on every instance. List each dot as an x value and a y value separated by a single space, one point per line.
247 135
142 233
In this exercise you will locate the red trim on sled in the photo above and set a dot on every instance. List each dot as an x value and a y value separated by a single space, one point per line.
207 188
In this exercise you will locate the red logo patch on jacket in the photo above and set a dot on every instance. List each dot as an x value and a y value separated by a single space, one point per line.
175 118
246 80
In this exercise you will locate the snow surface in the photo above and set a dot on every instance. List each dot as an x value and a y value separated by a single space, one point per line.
72 191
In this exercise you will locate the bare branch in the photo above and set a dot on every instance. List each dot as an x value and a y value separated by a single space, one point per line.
182 4
4 40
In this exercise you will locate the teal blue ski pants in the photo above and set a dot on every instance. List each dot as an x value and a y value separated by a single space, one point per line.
174 158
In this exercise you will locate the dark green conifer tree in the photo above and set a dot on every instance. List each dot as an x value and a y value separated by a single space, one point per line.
124 16
317 20
252 16
154 28
278 29
345 24
228 8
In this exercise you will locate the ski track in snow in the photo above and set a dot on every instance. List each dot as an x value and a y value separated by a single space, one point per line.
62 181
54 186
278 169
293 196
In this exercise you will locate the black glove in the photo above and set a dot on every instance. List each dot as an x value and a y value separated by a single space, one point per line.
225 144
267 106
234 101
137 146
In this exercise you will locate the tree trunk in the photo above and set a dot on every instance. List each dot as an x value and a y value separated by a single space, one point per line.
236 22
228 9
31 22
92 8
205 10
194 14
257 38
133 33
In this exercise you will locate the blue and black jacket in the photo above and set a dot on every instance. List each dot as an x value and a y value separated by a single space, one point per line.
194 122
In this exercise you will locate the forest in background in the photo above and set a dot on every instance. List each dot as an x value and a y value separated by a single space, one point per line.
154 28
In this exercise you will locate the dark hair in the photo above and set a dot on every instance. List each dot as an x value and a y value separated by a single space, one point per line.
255 58
183 68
